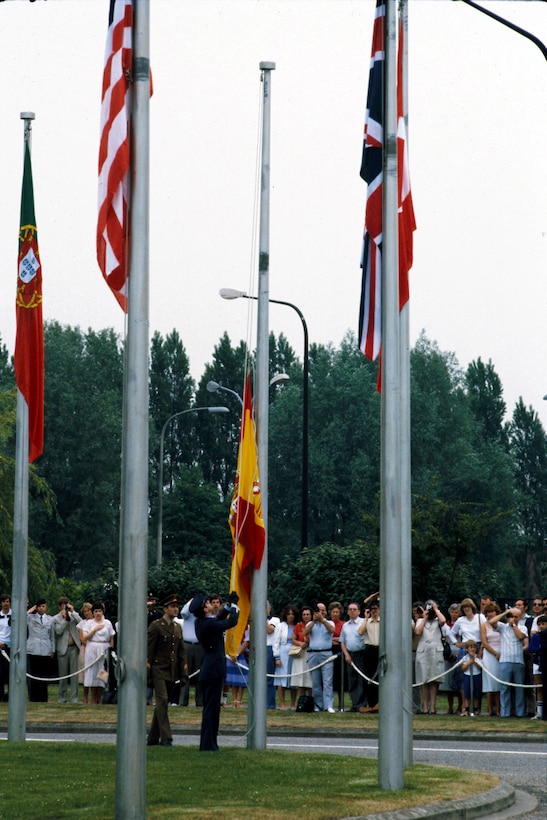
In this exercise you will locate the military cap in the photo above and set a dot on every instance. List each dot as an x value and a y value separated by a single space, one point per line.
171 599
197 602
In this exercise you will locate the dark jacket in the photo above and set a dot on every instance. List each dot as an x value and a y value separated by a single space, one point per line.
210 634
166 652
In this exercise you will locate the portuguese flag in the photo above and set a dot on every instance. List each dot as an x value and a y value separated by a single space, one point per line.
29 341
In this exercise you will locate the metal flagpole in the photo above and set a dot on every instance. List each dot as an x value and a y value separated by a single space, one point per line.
406 511
17 709
256 738
131 669
390 748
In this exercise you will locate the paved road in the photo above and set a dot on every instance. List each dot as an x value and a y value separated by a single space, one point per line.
523 765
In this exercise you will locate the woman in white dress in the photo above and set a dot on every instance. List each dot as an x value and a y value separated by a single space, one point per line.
87 621
299 667
491 647
429 654
283 662
97 639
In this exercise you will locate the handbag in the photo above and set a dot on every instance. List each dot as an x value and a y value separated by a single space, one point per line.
102 674
305 703
447 649
296 651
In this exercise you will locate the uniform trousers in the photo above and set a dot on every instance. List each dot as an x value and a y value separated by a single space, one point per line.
270 680
210 718
194 656
160 728
40 666
67 664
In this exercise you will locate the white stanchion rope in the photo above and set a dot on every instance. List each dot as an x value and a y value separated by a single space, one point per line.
63 677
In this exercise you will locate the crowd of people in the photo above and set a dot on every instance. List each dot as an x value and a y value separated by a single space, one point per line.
481 651
483 659
70 648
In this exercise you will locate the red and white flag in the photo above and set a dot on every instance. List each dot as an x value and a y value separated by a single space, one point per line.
370 318
114 156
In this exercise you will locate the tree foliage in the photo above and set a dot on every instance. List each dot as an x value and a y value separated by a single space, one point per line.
479 483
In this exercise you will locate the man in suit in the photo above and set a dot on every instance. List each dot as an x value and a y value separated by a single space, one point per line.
210 633
67 647
166 663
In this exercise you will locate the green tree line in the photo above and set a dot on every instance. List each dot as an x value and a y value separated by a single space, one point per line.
479 474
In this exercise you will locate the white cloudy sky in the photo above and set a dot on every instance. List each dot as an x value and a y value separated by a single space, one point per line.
478 120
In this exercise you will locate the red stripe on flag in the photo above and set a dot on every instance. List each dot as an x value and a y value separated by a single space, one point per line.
114 159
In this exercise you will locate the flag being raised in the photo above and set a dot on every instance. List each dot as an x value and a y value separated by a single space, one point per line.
245 520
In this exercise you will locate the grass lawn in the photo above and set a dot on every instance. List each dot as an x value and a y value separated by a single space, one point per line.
51 781
237 783
66 713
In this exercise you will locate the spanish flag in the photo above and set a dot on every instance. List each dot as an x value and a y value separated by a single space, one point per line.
245 520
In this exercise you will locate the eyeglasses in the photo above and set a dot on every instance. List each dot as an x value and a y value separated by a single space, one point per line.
537 603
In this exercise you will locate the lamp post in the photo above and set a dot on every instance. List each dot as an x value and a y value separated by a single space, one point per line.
159 554
230 293
213 386
542 47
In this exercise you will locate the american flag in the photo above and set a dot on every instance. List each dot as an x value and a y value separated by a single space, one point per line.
112 222
370 318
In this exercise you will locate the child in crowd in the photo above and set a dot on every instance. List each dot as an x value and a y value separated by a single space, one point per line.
538 649
471 671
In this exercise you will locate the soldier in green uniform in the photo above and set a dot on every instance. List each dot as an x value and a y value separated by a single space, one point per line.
166 663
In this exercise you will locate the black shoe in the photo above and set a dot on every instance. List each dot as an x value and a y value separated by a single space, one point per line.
166 743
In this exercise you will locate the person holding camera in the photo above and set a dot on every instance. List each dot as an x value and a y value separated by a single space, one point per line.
67 648
429 654
514 639
320 631
370 629
210 631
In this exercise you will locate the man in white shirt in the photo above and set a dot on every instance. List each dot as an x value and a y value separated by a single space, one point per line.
194 656
511 668
320 630
353 650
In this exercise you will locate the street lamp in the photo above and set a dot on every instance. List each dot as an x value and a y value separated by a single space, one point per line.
213 386
159 555
542 47
230 293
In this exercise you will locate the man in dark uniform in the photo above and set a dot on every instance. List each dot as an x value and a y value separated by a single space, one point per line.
210 631
166 663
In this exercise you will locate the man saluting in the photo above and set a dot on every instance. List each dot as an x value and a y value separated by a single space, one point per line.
166 663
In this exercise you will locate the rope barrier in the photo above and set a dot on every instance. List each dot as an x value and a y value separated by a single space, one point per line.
63 677
277 676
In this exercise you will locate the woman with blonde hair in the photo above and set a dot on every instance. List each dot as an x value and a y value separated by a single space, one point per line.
468 628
